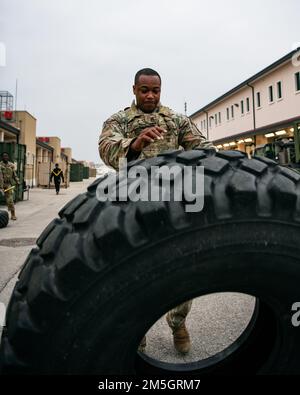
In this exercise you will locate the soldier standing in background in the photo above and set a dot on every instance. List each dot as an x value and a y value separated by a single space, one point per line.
143 131
8 182
58 175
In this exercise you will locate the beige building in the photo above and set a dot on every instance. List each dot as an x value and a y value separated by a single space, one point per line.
8 133
58 155
44 162
258 111
27 125
41 153
68 152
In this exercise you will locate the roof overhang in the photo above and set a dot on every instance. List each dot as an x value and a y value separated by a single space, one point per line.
265 129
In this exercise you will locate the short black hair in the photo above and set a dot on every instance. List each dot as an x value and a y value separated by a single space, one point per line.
146 71
4 153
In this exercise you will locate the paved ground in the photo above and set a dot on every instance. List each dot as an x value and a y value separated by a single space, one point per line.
33 216
214 322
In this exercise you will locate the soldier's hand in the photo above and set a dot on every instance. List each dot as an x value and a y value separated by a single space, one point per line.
147 137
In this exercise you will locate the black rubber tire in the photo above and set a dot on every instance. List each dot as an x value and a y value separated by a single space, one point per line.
104 273
4 219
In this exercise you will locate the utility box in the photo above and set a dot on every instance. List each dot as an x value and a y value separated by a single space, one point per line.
86 173
17 155
76 172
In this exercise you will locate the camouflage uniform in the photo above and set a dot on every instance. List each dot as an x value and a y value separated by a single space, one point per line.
8 179
122 128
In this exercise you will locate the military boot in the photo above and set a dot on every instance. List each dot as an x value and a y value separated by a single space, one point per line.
181 337
13 214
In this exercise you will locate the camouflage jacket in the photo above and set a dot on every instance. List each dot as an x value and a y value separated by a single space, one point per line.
123 127
8 175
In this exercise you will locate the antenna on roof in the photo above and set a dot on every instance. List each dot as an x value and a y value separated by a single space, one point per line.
16 94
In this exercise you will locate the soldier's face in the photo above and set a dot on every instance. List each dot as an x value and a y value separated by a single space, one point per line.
147 92
5 158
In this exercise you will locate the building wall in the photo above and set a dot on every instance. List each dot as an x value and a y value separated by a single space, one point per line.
233 125
68 151
55 142
269 113
7 137
27 125
47 164
281 109
43 155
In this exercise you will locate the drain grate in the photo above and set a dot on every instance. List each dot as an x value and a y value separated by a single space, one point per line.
20 242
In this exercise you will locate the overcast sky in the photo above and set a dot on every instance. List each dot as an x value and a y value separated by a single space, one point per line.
75 60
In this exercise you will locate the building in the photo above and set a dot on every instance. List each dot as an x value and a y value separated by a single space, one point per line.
57 156
26 123
68 152
42 153
8 132
258 111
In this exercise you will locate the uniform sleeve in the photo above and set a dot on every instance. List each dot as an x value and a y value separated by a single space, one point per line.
190 136
113 145
14 175
1 179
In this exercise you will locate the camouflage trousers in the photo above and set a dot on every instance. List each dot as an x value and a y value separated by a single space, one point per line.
178 315
9 197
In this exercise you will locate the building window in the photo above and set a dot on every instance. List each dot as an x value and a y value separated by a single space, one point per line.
271 95
220 119
216 119
227 111
210 122
258 99
279 90
242 107
204 123
297 81
248 104
232 112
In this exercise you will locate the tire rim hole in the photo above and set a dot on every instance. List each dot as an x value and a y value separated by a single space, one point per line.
224 329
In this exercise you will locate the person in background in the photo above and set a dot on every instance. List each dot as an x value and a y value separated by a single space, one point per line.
8 182
58 176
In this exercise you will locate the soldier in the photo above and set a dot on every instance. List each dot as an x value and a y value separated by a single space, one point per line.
8 182
143 131
58 175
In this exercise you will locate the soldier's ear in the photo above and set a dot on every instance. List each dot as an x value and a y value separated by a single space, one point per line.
134 89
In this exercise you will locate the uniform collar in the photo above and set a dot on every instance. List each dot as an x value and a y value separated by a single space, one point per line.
134 112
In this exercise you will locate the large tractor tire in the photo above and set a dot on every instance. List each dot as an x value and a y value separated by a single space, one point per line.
4 218
105 272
